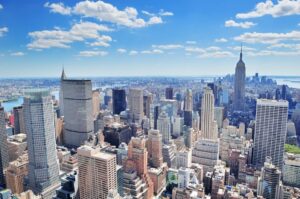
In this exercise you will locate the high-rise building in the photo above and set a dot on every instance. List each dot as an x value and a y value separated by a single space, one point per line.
19 126
188 100
119 100
147 101
169 93
270 131
291 170
15 174
239 85
269 180
207 115
78 111
96 102
155 148
164 127
97 173
4 158
206 153
61 93
136 167
135 104
43 173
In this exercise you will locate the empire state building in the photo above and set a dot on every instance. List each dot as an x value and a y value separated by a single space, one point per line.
239 85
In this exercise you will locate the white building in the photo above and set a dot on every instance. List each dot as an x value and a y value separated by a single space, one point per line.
207 115
164 127
270 131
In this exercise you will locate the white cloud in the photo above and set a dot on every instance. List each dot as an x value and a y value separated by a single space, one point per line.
121 50
191 42
168 46
154 51
1 7
221 40
109 13
58 8
165 13
268 38
58 38
195 50
272 53
238 48
92 53
282 8
216 54
155 20
213 48
3 30
19 54
103 40
284 45
148 13
232 23
212 51
133 52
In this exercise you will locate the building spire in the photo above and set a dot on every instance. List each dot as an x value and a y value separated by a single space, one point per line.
63 74
241 53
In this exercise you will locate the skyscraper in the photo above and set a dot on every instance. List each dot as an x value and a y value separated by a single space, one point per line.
19 126
97 173
119 100
169 93
147 101
61 93
155 148
188 100
270 131
239 85
268 180
207 115
136 166
96 102
4 159
78 111
43 173
135 103
164 127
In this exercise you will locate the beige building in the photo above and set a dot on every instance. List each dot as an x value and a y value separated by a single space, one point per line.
97 173
16 144
15 174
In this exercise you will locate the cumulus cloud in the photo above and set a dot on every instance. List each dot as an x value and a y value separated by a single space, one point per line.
58 38
109 13
272 53
18 54
191 42
92 53
221 40
3 30
121 50
232 23
133 52
238 48
278 9
165 13
1 7
168 46
268 38
154 51
102 40
212 51
58 8
285 46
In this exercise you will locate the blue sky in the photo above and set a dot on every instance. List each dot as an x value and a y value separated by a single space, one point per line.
142 37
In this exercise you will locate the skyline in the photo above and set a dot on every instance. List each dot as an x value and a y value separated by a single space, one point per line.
139 38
